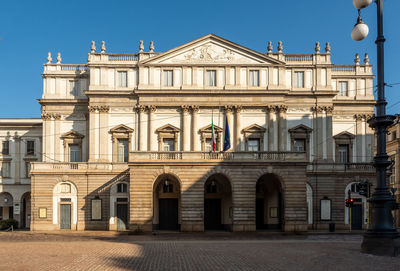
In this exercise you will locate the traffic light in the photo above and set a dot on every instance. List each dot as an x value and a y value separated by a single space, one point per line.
349 202
363 189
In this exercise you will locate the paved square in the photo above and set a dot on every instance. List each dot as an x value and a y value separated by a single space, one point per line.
180 251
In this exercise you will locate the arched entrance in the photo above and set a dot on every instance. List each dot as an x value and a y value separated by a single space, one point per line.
269 203
26 210
166 200
65 207
357 214
217 203
6 206
119 206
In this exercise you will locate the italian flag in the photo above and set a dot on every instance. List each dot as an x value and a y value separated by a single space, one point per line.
213 142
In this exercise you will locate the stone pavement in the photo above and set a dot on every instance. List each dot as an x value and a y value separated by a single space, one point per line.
182 251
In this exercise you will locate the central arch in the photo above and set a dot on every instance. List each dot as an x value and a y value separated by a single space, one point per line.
269 203
166 203
217 203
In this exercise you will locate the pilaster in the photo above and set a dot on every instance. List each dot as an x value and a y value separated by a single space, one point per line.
17 174
103 135
195 137
186 128
141 109
151 138
282 137
237 136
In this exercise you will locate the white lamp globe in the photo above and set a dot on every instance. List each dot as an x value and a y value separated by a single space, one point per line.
359 4
360 31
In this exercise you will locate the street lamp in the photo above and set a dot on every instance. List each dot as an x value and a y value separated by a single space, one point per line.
381 238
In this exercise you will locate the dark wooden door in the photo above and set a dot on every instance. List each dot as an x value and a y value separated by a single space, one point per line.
212 214
122 216
260 214
168 214
356 217
65 216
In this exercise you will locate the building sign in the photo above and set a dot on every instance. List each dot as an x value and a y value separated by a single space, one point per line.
96 209
16 209
325 209
42 212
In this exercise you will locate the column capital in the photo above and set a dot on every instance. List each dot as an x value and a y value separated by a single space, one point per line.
103 108
151 108
238 108
317 109
272 108
56 116
228 108
195 108
93 108
185 108
45 115
140 108
329 109
282 108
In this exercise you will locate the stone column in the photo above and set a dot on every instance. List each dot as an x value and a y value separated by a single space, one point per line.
56 138
282 136
92 133
103 133
228 114
237 136
271 117
358 119
186 128
317 132
18 162
44 117
329 132
195 132
142 128
151 138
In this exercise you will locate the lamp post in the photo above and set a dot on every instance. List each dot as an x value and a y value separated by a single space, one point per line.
381 238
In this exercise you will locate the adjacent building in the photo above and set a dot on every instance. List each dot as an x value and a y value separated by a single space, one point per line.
21 141
393 150
127 140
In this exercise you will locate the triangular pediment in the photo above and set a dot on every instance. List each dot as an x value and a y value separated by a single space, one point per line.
72 134
254 128
301 128
168 128
207 129
344 135
121 129
211 49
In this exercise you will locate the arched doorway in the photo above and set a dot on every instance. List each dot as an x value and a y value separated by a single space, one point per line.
65 207
269 203
166 200
119 206
6 206
26 210
357 218
217 203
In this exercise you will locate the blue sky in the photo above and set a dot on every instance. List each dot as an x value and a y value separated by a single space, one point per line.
30 29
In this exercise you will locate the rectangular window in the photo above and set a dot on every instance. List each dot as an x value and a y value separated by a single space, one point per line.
74 153
168 144
27 169
299 145
122 188
299 79
343 151
6 147
343 88
254 78
122 151
30 147
253 145
168 78
73 87
208 147
5 170
211 78
122 79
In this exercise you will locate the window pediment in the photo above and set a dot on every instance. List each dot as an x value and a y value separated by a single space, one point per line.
253 129
168 128
72 135
300 129
344 136
207 129
121 129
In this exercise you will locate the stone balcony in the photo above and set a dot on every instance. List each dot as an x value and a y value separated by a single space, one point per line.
217 157
81 167
325 167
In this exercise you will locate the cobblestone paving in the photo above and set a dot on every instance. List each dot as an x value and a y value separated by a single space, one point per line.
210 251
